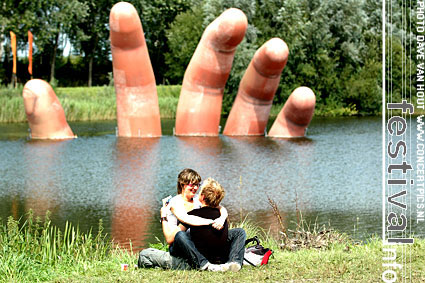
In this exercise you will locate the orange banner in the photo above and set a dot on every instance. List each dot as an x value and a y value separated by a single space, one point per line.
30 37
13 42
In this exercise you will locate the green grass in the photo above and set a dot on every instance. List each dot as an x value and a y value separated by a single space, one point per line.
83 103
11 105
99 103
34 250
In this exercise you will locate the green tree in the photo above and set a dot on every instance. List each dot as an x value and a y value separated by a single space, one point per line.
364 87
183 37
246 49
287 21
4 22
156 17
16 17
52 20
90 34
327 44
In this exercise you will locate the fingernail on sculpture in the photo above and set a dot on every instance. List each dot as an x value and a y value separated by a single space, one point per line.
135 87
199 107
296 114
251 109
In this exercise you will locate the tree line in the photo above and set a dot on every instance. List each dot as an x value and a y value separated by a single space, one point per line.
335 45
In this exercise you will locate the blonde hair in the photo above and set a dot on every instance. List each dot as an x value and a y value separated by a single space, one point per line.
186 177
213 192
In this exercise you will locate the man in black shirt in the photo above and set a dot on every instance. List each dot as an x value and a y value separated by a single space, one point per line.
210 242
216 245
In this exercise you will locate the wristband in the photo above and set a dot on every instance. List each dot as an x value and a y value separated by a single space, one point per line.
163 219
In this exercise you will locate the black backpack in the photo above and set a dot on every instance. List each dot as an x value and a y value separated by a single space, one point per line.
256 255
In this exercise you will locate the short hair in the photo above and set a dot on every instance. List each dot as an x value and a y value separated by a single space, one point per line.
213 192
186 177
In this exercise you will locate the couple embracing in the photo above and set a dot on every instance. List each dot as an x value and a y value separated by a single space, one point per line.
196 229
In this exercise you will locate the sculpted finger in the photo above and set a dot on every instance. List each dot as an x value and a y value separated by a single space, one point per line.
44 111
295 115
199 108
135 87
251 109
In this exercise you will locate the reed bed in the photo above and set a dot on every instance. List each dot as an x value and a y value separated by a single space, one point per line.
83 103
12 110
168 106
31 244
99 103
88 104
306 235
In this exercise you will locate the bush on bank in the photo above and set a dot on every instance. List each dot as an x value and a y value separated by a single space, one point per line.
35 250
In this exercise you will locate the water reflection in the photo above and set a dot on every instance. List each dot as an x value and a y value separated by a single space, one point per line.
275 168
42 170
135 174
251 169
332 175
199 153
300 157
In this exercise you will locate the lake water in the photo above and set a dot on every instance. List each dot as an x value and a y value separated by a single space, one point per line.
332 176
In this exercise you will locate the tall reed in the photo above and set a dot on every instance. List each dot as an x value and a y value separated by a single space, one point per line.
84 103
252 230
24 245
306 234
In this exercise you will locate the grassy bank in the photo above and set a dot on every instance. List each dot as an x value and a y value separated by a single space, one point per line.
35 250
99 103
84 104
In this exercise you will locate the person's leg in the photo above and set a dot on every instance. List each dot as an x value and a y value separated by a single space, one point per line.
236 239
157 258
185 248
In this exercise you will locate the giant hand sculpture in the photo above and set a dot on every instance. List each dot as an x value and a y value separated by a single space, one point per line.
199 107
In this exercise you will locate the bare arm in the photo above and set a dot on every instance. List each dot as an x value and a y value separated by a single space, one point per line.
219 222
169 230
223 213
192 220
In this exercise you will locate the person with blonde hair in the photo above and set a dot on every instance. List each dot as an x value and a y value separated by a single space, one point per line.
222 246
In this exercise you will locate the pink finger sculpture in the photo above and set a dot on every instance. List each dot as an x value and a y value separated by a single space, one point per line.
251 109
295 115
199 107
45 114
137 100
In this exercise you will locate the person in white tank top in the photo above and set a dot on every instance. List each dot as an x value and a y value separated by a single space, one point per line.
175 209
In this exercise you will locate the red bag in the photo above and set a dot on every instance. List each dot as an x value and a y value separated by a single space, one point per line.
256 255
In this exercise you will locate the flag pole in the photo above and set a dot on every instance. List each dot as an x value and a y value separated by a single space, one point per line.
13 43
30 40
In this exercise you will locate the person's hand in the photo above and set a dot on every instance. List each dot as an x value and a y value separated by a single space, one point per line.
199 107
218 223
163 211
166 200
